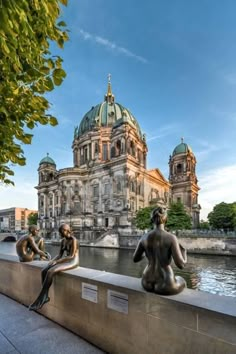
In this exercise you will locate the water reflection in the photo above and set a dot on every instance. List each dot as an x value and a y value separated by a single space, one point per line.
214 274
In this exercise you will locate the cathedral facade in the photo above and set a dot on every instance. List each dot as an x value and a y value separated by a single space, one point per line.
109 181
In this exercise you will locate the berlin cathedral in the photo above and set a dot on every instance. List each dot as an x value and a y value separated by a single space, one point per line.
109 181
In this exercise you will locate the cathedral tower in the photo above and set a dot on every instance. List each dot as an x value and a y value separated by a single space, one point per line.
183 179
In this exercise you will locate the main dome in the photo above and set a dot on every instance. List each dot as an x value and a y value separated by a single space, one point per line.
182 148
107 114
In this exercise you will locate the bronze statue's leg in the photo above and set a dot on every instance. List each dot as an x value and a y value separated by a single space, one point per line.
41 245
149 286
44 272
28 257
48 275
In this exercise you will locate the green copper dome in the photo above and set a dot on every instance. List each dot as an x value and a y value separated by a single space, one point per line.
182 148
106 114
48 160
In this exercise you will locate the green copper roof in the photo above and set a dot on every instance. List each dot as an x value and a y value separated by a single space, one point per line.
182 148
47 159
106 114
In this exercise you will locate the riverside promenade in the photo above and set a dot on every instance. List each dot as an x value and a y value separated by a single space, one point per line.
27 332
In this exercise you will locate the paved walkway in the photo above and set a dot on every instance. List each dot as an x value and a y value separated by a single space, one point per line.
26 332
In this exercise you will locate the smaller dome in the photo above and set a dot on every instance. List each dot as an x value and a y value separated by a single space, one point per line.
48 160
182 148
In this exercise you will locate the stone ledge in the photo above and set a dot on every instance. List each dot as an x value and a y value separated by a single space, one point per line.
208 318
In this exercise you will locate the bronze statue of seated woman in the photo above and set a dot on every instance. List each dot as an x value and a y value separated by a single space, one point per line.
160 247
31 246
69 246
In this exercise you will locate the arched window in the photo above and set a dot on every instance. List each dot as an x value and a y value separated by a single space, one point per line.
118 148
179 168
113 151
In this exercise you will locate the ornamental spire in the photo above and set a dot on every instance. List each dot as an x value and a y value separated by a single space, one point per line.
109 97
182 139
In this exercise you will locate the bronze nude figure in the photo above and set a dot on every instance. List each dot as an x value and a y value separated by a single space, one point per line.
69 245
160 247
31 246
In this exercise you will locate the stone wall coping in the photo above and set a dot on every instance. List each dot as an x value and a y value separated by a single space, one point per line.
219 304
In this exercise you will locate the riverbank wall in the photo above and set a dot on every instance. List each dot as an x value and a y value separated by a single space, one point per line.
116 314
215 245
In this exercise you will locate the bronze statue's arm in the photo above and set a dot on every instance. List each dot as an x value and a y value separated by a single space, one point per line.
139 252
59 256
179 253
74 250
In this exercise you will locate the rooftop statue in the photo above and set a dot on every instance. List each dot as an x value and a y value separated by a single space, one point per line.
31 246
160 246
69 246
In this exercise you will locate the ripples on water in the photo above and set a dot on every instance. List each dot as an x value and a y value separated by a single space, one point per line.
213 274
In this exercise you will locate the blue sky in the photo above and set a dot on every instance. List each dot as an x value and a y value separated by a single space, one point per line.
173 64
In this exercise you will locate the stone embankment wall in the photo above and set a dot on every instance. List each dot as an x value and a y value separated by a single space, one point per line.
114 313
217 245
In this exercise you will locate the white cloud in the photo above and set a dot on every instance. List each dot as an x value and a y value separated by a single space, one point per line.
217 186
111 45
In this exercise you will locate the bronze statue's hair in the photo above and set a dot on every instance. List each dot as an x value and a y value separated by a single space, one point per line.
61 227
32 227
158 214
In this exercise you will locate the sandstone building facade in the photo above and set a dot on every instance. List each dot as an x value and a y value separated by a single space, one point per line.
109 181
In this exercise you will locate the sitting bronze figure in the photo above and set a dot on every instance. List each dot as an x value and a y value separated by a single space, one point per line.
69 245
160 247
31 247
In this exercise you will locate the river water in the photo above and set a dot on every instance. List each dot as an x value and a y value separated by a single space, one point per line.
213 274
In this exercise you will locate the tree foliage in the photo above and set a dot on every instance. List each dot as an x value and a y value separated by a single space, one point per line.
28 70
223 216
32 219
143 218
178 218
204 225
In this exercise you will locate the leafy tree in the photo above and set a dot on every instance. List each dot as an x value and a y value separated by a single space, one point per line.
178 218
28 70
32 219
204 225
223 216
143 218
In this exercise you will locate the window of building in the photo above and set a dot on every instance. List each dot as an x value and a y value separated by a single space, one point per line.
85 154
96 148
104 152
179 168
106 222
179 200
113 151
118 186
106 188
118 147
106 206
96 190
95 207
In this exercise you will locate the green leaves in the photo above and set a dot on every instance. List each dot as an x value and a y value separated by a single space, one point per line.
143 218
223 216
27 72
58 76
178 218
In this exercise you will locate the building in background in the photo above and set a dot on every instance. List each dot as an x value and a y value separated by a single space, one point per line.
109 181
14 219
